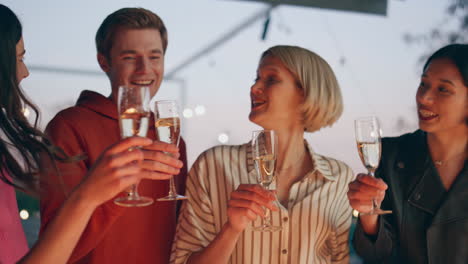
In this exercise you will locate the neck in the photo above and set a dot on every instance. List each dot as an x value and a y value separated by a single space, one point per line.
291 149
445 146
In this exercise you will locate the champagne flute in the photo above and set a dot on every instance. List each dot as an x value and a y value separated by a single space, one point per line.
134 113
168 130
264 148
369 146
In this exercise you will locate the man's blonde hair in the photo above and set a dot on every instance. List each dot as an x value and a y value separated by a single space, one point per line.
323 104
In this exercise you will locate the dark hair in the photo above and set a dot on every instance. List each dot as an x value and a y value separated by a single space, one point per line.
21 144
127 18
458 54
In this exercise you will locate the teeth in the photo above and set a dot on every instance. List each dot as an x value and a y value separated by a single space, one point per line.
142 82
426 113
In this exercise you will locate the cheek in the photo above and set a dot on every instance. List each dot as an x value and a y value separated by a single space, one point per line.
158 68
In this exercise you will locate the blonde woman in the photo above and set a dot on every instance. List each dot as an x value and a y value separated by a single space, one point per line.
295 92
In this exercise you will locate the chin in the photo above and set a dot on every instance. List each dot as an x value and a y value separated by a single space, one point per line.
254 118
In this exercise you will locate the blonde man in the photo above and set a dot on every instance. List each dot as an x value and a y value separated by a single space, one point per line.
295 92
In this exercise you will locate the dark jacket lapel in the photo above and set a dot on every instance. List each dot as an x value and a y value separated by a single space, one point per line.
419 176
455 205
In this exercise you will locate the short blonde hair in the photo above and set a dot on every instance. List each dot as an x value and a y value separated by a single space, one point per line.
323 103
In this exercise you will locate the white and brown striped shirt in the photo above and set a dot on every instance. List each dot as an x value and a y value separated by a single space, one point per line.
315 225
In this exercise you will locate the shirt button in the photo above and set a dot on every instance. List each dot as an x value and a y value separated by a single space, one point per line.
284 251
285 219
401 165
417 196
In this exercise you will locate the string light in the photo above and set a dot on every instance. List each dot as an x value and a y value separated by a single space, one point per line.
223 138
24 214
188 113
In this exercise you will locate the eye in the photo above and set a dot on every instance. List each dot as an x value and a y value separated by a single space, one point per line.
155 57
128 58
270 80
443 89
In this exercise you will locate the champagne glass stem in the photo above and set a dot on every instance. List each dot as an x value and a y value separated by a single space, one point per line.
134 192
172 188
267 218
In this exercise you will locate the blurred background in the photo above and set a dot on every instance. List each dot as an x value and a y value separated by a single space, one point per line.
376 48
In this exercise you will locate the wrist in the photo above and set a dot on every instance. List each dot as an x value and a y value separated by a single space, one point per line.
81 201
231 230
369 224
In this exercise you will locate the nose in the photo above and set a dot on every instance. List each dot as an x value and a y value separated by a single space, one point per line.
22 72
425 95
143 65
256 88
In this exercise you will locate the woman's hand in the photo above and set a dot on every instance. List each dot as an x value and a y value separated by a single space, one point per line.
363 190
114 171
361 194
246 203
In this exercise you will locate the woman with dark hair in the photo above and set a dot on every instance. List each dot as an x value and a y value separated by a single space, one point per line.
423 176
24 151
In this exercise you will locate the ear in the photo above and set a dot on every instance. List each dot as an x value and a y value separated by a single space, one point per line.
103 62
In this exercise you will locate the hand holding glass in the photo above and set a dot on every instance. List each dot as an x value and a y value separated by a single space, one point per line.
134 113
368 141
264 148
168 130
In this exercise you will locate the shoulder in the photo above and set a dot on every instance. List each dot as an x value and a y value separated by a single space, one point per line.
391 142
70 116
222 153
337 168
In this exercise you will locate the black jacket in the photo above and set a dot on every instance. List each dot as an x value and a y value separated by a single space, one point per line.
428 224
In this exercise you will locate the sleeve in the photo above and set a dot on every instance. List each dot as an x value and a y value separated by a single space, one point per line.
195 228
340 245
60 181
374 249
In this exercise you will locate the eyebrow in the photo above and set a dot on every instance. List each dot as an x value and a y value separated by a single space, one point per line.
442 80
270 67
123 52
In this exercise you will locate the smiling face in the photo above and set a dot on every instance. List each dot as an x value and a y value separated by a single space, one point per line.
442 98
275 97
136 59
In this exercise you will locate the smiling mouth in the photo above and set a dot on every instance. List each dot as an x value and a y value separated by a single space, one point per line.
142 82
426 114
256 104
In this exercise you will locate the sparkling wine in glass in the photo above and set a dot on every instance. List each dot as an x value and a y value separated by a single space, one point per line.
134 113
264 148
369 146
168 130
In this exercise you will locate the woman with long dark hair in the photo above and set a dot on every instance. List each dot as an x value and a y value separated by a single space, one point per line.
423 176
25 153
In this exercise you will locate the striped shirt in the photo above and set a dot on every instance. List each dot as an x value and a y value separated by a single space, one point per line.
315 224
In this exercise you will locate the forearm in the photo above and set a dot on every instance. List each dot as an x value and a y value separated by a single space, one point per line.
219 250
57 242
377 247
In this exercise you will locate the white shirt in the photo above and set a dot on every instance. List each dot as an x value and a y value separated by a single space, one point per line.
315 224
